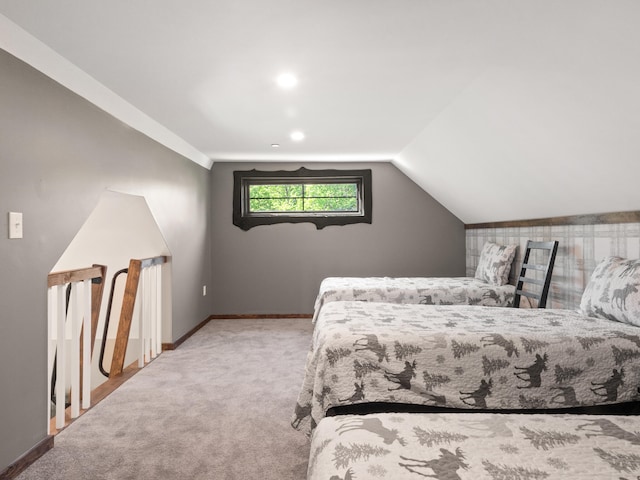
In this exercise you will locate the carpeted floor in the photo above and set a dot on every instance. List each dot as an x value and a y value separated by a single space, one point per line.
218 407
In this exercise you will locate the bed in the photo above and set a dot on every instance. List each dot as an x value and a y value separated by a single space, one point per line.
477 357
476 446
465 357
490 285
414 290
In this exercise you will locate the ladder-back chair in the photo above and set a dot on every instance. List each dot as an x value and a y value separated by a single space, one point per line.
546 268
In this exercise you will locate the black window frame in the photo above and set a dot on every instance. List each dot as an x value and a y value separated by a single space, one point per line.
246 220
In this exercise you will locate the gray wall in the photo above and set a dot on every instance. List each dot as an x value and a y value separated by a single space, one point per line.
278 268
58 153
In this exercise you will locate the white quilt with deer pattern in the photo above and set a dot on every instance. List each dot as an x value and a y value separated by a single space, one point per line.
476 446
419 290
465 357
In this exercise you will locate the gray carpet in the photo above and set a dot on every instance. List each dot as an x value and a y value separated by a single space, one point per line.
218 407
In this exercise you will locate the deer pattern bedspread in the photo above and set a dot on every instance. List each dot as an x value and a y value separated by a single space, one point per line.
476 446
418 290
465 357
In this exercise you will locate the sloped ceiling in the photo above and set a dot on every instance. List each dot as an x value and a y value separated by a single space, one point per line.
500 109
550 128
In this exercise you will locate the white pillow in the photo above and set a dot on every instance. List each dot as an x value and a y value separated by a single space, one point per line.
613 291
495 263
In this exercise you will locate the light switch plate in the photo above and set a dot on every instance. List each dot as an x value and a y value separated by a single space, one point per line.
15 225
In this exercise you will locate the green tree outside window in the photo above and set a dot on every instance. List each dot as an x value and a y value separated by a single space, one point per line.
295 197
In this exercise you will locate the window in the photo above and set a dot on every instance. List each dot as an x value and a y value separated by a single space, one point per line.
291 197
323 197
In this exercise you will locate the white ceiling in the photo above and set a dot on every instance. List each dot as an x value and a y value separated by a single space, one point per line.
468 97
206 69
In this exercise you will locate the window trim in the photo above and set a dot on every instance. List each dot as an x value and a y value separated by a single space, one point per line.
245 220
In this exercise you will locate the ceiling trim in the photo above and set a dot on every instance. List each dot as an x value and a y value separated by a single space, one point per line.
32 51
302 157
589 219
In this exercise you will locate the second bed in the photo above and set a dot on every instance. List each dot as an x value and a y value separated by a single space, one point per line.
469 357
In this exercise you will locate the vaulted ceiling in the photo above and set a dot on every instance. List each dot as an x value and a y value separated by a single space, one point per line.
500 109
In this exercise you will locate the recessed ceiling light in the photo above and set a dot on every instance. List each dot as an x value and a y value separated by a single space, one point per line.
297 136
275 145
287 80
